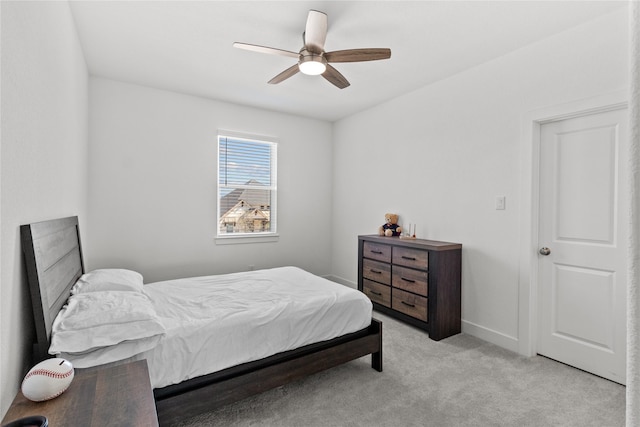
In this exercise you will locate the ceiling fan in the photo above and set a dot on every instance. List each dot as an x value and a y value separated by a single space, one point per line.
312 59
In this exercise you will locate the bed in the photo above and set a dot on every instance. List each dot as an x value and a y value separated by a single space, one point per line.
54 263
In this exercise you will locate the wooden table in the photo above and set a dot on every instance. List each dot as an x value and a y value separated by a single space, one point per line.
102 396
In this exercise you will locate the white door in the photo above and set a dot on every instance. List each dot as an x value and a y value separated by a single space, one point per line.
583 243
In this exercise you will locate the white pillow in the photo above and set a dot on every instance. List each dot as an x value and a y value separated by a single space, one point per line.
114 353
95 320
108 279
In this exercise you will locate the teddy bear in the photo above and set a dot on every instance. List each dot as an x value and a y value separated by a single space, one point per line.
390 227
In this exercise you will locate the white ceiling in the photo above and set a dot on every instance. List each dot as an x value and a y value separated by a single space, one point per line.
186 46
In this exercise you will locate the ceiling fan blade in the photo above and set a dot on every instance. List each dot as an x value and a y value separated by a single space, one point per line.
335 78
264 49
357 55
315 33
285 75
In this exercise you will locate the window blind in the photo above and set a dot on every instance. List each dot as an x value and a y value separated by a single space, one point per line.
246 186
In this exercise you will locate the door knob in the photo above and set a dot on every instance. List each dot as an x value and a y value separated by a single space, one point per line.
544 251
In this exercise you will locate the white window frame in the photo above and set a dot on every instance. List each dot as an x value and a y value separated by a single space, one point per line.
252 237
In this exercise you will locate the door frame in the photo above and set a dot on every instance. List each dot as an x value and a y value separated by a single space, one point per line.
531 123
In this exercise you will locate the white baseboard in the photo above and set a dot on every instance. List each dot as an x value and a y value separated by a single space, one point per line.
489 335
342 281
485 334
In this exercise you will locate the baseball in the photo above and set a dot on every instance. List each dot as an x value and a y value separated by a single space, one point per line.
48 379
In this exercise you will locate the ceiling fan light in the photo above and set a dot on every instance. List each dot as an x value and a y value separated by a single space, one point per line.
312 65
312 68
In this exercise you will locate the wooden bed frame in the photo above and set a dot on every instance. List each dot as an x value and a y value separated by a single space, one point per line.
53 259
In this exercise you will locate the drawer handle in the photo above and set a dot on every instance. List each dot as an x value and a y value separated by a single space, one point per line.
410 258
376 252
407 304
408 280
375 271
376 293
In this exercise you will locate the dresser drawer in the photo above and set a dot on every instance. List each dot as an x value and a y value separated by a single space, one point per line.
411 257
377 271
410 304
410 280
377 292
376 251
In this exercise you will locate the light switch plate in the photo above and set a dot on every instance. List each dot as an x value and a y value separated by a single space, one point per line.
501 203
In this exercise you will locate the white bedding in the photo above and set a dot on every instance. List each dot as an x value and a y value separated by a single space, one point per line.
215 322
107 325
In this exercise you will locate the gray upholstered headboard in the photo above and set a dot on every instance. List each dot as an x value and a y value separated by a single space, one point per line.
53 260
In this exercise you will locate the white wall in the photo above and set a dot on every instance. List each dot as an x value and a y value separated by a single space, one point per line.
152 162
44 149
438 157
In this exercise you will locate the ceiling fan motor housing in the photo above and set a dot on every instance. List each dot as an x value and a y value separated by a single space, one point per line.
312 63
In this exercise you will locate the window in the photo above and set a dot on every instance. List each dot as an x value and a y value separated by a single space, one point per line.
246 186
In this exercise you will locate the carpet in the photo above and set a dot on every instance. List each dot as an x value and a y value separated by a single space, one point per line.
459 381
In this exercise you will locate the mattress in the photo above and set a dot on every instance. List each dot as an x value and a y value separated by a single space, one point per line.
216 322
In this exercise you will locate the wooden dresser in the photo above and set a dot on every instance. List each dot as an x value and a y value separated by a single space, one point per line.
414 280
